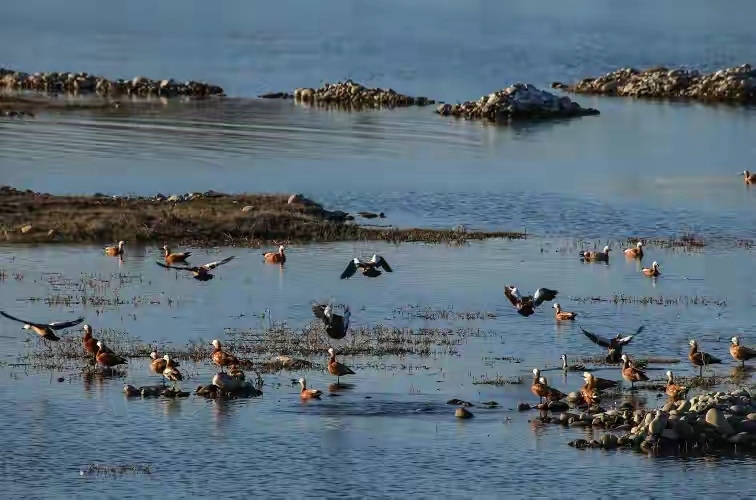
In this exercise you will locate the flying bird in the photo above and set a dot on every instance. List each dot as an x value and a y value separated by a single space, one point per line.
526 305
201 273
45 330
336 325
614 345
370 268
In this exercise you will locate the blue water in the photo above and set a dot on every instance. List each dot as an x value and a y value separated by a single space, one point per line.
640 168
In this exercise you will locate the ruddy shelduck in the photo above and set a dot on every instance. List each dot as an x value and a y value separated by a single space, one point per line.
221 357
595 255
525 305
306 393
601 384
278 257
673 390
563 315
700 358
107 358
551 393
748 177
159 363
336 325
652 271
170 372
630 373
45 330
201 273
589 392
539 389
571 368
335 368
170 258
370 268
116 250
89 342
635 252
614 345
741 353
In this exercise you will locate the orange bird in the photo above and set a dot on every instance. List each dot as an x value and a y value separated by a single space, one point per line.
630 373
741 353
673 390
170 258
563 315
335 368
306 393
221 357
652 271
278 257
635 253
115 251
108 359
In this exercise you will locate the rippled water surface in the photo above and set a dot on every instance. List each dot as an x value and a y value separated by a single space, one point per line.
640 168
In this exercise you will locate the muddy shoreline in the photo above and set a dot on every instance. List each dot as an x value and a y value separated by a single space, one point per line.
197 219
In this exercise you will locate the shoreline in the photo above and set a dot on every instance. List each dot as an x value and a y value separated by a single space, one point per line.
197 219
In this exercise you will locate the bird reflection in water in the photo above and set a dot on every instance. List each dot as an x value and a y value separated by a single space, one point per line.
340 387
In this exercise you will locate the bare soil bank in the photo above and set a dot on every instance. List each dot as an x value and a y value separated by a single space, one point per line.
199 219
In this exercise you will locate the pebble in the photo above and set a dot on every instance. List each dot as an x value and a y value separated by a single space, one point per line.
351 94
736 84
84 83
518 102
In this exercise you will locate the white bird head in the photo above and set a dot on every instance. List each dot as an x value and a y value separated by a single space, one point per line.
26 327
87 328
556 306
542 380
655 265
154 355
302 381
745 172
281 248
607 249
165 247
536 372
734 340
356 260
331 351
587 375
669 373
640 244
692 343
563 357
215 343
99 343
624 357
166 358
121 244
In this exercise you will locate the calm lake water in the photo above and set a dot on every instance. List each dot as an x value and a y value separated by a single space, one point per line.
640 168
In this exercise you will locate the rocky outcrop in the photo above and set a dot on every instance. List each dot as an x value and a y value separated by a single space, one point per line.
84 83
714 421
735 85
349 94
518 102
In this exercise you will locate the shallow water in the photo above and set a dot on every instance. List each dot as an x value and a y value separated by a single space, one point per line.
392 415
649 169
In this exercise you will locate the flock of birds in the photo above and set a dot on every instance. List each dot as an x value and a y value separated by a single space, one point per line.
632 372
337 326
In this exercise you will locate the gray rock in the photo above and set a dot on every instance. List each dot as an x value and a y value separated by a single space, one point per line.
176 198
737 410
751 416
748 426
716 419
248 208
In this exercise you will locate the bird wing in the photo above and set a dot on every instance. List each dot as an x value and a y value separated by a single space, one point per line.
213 265
350 270
60 325
508 294
543 294
624 340
596 338
318 310
385 265
180 268
41 325
347 315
